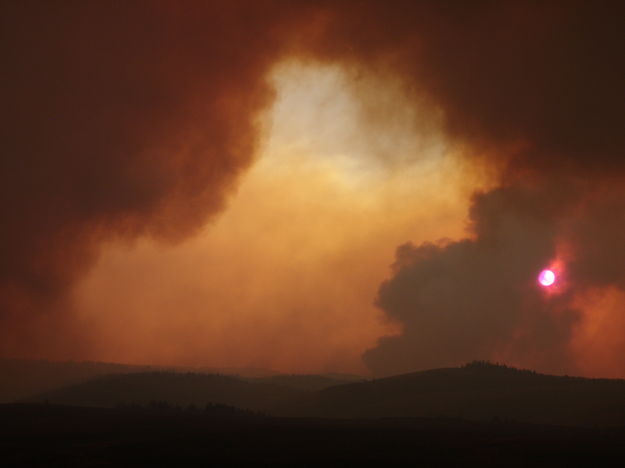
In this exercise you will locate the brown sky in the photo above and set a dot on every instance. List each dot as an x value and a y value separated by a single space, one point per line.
286 277
226 183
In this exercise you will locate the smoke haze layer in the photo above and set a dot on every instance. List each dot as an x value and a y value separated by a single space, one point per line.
131 120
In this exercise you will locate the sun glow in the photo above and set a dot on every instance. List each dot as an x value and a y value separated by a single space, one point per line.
547 277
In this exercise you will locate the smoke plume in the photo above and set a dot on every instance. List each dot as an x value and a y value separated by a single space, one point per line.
532 91
133 119
120 120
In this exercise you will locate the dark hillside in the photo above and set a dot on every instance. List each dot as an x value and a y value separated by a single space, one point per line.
23 378
175 388
309 382
477 391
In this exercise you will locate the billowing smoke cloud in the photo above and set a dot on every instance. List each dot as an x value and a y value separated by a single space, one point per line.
533 90
120 119
541 77
478 297
131 119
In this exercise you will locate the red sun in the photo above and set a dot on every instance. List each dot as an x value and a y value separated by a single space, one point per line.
547 277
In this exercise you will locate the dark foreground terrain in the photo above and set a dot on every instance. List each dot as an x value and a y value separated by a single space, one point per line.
161 435
478 392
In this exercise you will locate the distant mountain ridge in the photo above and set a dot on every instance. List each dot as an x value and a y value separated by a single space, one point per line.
24 378
183 389
270 394
476 391
309 382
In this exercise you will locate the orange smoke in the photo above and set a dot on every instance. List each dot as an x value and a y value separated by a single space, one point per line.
134 123
286 278
597 342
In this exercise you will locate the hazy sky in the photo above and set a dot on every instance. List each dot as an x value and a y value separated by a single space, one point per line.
345 186
286 276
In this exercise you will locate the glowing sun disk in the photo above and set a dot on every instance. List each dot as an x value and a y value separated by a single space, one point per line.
547 277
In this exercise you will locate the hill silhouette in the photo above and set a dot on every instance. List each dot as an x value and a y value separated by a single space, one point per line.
23 378
309 382
175 388
477 391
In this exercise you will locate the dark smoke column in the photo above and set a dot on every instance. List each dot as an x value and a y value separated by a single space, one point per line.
119 120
